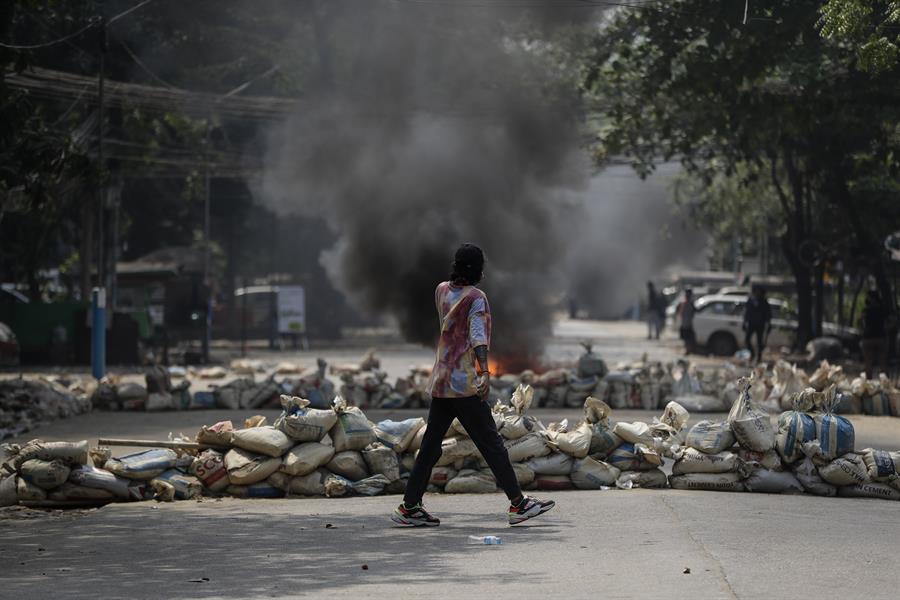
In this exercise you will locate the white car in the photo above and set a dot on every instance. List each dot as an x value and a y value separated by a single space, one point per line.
718 324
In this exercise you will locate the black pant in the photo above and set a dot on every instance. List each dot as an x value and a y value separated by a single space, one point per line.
475 416
760 333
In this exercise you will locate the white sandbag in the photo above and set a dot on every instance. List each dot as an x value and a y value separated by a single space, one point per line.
398 435
795 428
8 495
808 476
551 482
337 486
352 431
381 460
834 433
311 484
301 423
124 489
43 473
633 457
869 490
28 492
773 482
144 465
711 437
634 433
454 449
524 475
675 416
751 427
652 479
717 482
262 489
246 468
441 475
216 435
160 401
526 447
590 474
407 462
210 469
760 460
69 453
186 486
849 469
349 464
305 458
575 443
70 492
883 466
470 481
553 464
517 424
416 442
694 461
700 403
262 440
370 486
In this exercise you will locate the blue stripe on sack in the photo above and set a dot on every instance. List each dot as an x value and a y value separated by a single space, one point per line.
825 434
846 436
791 436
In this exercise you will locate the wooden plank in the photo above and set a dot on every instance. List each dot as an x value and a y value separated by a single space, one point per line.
157 444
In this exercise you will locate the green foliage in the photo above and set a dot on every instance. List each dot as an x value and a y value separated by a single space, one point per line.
871 26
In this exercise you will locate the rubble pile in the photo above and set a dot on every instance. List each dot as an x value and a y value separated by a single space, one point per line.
27 403
337 451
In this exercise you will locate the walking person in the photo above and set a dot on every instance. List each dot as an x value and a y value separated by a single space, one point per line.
656 312
874 334
686 311
459 387
757 321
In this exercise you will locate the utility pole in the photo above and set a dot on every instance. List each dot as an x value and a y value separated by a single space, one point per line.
98 297
207 279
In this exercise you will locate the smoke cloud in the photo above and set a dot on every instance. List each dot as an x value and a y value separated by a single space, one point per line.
433 125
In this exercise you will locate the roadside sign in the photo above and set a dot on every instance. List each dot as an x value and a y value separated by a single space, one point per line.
291 309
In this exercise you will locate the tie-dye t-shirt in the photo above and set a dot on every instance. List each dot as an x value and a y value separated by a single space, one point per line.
465 324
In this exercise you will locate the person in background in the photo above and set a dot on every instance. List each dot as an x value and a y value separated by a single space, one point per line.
685 314
656 312
757 321
873 344
459 387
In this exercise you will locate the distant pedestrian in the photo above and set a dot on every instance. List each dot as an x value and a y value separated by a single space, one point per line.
874 334
656 312
460 382
686 311
757 321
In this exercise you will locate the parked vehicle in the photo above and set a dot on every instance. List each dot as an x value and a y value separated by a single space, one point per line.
9 346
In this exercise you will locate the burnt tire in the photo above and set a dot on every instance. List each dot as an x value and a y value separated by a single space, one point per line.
722 343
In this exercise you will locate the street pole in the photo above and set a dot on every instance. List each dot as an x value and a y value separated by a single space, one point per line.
207 280
98 295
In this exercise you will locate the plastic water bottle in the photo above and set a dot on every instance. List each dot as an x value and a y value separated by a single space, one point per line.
486 540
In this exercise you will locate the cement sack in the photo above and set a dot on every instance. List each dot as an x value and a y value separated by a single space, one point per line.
760 460
773 482
263 489
143 465
160 401
551 482
631 457
556 396
849 469
280 480
352 430
751 426
834 433
441 475
216 435
407 462
575 443
301 423
28 492
808 476
603 441
44 474
524 475
398 435
526 447
312 484
634 433
675 416
454 449
470 481
715 482
337 486
70 492
416 442
186 486
883 466
210 469
262 440
869 490
699 403
92 477
8 495
349 464
653 479
381 460
553 464
246 468
69 453
794 429
710 437
596 411
591 474
370 486
517 424
306 458
694 461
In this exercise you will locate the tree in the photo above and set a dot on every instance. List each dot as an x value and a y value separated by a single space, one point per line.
872 26
771 98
